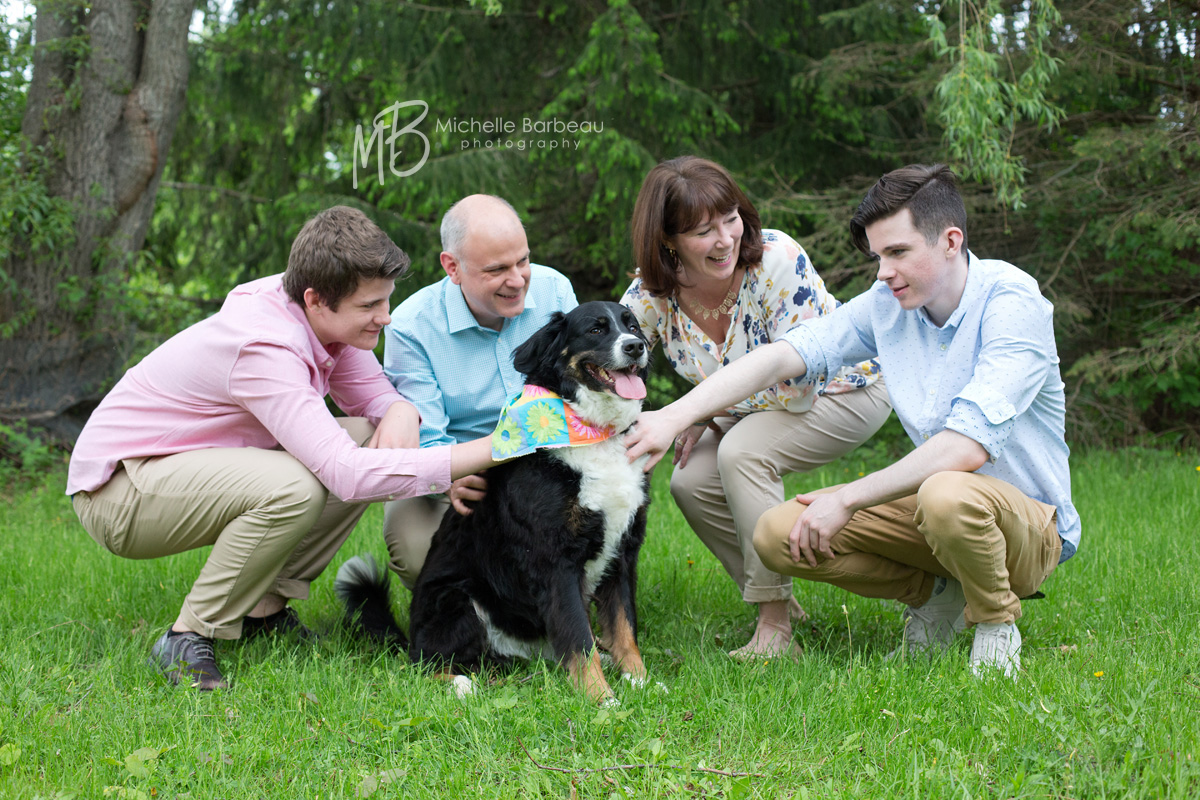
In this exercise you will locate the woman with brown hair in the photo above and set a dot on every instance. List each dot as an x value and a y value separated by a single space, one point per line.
711 286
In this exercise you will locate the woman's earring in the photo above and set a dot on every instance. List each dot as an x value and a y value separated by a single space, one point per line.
675 259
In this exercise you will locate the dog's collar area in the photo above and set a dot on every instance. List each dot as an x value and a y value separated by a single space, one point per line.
537 418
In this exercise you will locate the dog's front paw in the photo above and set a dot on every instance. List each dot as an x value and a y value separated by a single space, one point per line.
461 686
641 682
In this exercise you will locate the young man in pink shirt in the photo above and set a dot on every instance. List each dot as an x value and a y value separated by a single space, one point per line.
221 437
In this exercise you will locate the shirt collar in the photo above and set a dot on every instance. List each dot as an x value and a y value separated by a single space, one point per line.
320 354
458 313
971 291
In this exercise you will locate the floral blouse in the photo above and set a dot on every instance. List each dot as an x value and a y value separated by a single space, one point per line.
775 296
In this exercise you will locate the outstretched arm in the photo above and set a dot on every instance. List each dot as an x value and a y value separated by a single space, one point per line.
654 431
470 457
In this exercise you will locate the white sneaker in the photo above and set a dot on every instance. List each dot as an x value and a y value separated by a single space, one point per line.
997 645
934 625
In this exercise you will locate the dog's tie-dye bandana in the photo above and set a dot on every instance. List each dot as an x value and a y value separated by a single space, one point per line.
538 418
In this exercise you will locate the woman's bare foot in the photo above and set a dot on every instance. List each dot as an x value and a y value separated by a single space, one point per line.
797 613
773 635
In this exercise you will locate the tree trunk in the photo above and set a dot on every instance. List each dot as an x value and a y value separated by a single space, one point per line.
109 80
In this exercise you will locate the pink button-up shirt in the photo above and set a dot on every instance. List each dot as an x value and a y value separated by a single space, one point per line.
255 375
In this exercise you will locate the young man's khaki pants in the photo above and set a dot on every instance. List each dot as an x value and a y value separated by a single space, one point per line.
272 525
998 543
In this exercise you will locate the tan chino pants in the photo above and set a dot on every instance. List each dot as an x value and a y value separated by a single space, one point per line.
272 525
408 528
997 542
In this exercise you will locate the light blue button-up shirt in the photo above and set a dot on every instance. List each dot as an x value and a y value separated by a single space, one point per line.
990 373
455 371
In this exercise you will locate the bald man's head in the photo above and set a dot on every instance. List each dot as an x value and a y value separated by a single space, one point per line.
486 253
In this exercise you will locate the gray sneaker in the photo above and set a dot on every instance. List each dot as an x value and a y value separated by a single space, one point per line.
188 656
933 626
997 646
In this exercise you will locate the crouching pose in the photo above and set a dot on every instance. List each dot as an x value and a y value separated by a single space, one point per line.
221 437
979 514
556 530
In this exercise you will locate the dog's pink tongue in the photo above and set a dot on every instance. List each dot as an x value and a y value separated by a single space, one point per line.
629 385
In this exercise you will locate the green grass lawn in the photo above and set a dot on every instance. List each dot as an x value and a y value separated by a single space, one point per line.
1107 705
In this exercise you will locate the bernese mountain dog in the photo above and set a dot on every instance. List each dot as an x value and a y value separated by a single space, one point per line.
557 530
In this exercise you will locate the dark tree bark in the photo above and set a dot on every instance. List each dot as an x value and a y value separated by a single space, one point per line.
108 86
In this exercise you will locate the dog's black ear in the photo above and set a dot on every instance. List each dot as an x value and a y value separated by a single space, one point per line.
536 357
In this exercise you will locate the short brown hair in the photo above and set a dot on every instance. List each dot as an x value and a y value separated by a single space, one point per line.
930 193
676 196
337 249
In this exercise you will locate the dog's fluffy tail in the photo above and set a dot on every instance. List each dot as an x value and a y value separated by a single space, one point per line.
363 588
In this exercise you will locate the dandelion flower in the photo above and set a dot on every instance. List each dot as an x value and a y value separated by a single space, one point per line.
1099 674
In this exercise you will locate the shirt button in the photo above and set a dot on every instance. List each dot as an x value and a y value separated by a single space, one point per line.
943 347
924 435
433 487
329 362
932 392
391 497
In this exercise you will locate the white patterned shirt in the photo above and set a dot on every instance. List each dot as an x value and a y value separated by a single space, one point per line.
990 373
775 295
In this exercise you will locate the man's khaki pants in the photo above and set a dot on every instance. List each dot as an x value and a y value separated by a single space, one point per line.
408 528
272 525
998 543
729 481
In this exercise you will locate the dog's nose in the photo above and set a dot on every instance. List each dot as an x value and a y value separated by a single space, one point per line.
634 349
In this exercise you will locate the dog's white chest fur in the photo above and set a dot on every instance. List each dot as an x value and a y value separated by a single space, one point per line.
608 484
611 486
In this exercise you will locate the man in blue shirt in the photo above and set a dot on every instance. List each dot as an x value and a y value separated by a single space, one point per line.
448 351
979 513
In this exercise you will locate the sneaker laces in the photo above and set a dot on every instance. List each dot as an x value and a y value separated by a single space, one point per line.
202 648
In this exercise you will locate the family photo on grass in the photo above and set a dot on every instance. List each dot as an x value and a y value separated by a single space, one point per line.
686 452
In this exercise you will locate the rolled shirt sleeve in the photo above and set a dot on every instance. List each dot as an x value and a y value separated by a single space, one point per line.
1018 352
844 336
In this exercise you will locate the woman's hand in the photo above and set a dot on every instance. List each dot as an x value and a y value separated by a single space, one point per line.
652 435
685 441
